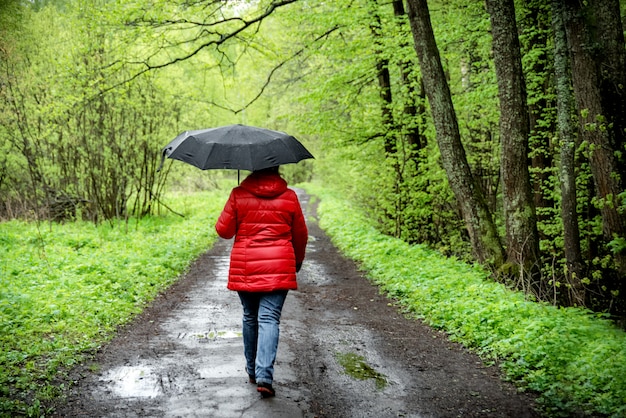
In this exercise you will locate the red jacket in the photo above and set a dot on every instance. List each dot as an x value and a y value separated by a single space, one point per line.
270 233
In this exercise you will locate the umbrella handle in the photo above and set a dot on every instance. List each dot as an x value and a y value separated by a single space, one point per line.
162 160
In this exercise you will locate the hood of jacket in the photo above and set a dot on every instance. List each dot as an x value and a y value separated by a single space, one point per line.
266 185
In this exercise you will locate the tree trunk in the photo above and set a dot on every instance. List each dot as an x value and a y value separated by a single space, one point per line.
384 85
567 171
387 118
534 27
476 214
519 210
594 126
613 75
414 137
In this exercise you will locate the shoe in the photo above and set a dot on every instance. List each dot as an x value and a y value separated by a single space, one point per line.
251 379
266 390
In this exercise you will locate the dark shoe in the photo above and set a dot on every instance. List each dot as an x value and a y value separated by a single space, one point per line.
251 379
266 390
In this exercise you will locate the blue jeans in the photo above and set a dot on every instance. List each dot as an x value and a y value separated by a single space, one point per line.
261 320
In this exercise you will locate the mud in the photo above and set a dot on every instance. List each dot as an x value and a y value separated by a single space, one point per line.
345 351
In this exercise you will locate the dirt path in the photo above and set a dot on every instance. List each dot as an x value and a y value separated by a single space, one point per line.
345 351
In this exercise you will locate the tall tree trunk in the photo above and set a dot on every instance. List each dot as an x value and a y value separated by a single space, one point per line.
612 65
389 130
384 85
567 171
533 28
414 137
613 75
519 210
478 220
594 125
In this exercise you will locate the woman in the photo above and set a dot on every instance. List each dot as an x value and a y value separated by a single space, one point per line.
270 233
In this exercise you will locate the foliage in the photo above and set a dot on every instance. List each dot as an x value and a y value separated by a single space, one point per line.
77 151
338 106
334 99
89 95
84 139
65 289
574 359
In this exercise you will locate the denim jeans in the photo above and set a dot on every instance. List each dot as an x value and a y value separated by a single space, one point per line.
261 320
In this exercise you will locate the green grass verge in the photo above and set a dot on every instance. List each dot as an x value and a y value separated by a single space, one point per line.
574 360
66 288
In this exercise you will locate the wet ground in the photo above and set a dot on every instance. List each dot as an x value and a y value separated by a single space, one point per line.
345 351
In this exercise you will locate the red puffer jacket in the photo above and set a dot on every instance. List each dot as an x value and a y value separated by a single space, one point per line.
270 233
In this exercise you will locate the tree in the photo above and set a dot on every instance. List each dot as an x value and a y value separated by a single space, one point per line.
534 28
478 219
612 65
567 173
522 241
411 111
597 128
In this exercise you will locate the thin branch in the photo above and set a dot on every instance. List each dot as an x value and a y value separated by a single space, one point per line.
213 42
276 68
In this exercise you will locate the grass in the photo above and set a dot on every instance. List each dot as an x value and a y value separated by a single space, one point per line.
574 359
66 288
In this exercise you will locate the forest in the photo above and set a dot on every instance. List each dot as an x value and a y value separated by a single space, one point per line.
492 131
469 155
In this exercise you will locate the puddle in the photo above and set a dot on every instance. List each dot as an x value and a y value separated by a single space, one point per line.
229 369
135 382
211 335
355 366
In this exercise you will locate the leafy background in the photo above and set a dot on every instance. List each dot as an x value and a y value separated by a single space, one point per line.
90 91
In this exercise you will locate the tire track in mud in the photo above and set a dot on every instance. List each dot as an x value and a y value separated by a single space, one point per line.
345 351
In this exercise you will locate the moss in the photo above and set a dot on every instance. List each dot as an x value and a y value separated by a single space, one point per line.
356 367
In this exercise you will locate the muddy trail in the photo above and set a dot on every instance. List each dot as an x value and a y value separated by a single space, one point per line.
345 351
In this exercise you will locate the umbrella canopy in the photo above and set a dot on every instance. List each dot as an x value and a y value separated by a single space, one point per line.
238 147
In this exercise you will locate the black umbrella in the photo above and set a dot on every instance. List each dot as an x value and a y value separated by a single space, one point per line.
238 147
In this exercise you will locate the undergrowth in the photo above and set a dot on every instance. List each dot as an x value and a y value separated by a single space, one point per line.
573 359
66 288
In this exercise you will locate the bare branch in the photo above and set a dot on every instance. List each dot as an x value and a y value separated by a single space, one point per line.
277 67
222 38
